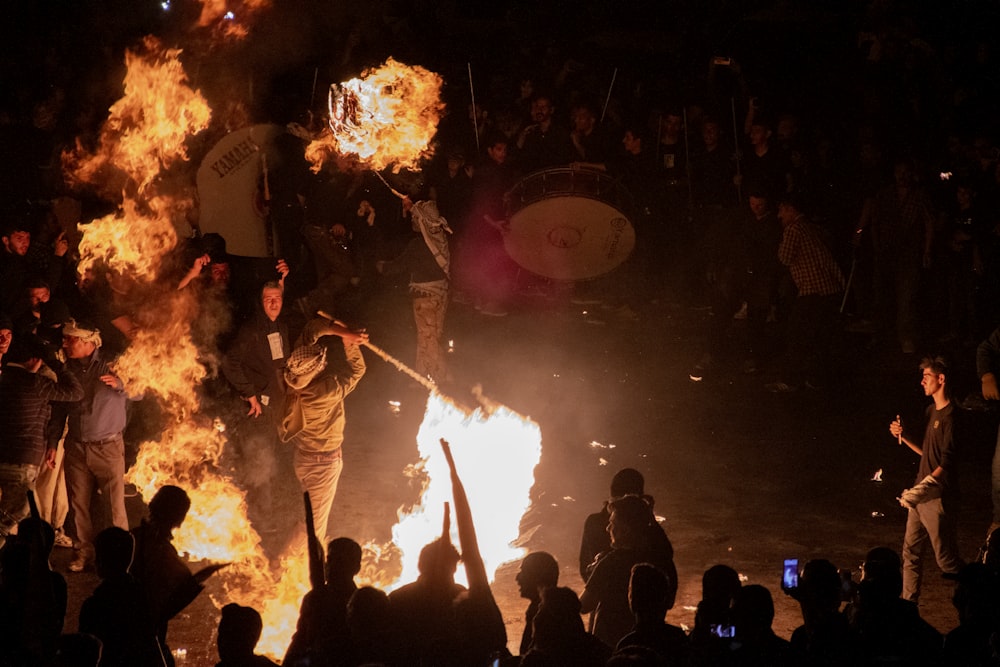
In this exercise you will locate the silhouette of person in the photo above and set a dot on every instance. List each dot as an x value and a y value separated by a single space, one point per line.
322 625
117 612
239 632
635 538
648 598
32 597
559 637
167 582
595 528
539 570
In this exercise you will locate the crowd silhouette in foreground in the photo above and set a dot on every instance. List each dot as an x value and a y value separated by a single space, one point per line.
629 590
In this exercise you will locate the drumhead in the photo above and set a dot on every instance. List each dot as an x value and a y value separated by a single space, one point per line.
569 237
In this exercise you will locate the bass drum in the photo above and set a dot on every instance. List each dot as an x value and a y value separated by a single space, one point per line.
230 181
568 224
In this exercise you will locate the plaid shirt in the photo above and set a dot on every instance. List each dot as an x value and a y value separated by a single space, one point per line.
813 268
25 410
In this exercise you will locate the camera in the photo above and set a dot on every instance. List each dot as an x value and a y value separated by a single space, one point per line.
723 631
790 575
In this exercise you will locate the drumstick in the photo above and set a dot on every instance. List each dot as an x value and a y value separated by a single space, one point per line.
899 438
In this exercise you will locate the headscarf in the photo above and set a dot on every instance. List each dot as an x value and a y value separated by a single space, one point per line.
305 363
86 333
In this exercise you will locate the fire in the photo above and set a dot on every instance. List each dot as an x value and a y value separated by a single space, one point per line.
224 21
496 455
132 241
385 118
147 128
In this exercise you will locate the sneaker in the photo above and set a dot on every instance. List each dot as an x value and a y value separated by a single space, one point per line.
63 540
80 561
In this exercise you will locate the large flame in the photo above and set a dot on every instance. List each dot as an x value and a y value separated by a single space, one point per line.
387 117
496 454
147 128
390 117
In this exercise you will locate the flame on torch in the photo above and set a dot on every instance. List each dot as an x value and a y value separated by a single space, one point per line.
387 117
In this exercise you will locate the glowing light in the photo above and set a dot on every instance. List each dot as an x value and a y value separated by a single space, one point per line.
387 117
496 455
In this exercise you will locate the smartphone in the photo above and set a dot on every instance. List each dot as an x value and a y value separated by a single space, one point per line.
721 630
790 575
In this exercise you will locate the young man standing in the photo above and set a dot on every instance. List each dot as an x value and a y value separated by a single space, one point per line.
932 500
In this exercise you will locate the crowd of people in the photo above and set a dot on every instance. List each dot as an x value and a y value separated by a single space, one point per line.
796 224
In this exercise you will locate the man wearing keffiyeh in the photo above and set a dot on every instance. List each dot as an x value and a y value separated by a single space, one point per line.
314 411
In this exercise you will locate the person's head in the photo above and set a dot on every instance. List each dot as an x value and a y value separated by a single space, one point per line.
627 481
169 506
367 611
631 516
788 128
239 631
760 134
271 299
80 339
965 194
719 584
752 612
904 173
760 205
343 559
649 593
558 617
16 237
6 334
934 371
496 147
78 650
672 125
38 293
29 527
113 548
304 365
790 209
711 133
25 349
584 119
539 570
456 160
438 561
881 575
542 109
819 586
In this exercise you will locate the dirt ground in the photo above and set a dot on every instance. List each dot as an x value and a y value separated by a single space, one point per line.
740 476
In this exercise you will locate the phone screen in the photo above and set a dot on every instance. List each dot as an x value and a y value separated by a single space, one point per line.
723 631
790 574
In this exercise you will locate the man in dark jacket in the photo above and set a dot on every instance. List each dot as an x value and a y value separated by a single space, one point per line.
25 393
